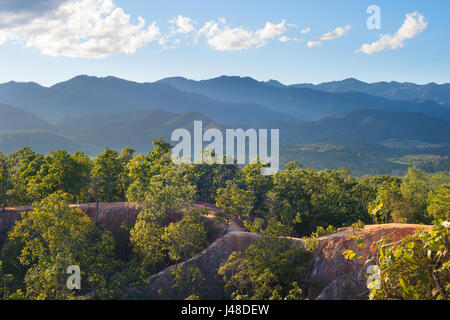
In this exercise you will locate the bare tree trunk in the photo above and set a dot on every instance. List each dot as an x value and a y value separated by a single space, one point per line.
438 282
4 186
96 208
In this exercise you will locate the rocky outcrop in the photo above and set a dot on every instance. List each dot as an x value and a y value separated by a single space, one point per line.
111 216
334 276
340 278
9 218
208 261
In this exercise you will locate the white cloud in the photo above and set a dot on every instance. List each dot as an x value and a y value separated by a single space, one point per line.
305 31
81 28
184 24
35 6
98 28
180 25
224 38
336 33
413 25
210 29
311 44
287 39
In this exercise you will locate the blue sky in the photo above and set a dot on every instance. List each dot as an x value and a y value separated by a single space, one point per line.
53 42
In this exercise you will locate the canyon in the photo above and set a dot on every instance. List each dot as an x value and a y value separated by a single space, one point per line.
335 277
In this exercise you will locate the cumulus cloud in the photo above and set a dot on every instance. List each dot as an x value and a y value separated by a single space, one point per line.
180 25
17 12
184 24
413 25
223 38
29 6
77 28
336 33
99 28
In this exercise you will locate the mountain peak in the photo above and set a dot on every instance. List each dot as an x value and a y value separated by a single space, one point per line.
83 77
353 81
234 78
274 83
173 78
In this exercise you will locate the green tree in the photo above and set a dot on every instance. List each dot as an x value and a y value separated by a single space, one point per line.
414 190
148 246
185 238
107 170
187 281
267 269
84 165
124 180
202 176
439 203
259 185
4 179
233 202
6 283
161 150
388 204
142 168
304 199
25 164
54 236
60 172
166 192
209 176
418 268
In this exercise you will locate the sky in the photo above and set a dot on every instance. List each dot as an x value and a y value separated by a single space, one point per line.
292 41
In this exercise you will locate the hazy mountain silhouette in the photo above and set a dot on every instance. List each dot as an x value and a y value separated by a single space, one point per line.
351 129
370 126
300 103
12 118
390 90
83 94
224 99
136 129
42 141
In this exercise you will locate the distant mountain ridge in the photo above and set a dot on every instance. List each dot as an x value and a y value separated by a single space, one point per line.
136 128
84 94
12 118
93 132
371 126
321 129
301 103
389 90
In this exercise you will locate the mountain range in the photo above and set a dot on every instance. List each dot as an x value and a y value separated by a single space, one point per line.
83 94
350 123
301 102
389 90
